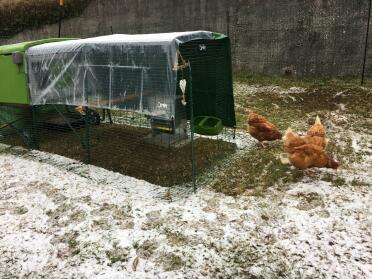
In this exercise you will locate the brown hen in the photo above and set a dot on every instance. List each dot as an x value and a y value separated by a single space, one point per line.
79 109
262 129
317 129
319 141
310 156
292 140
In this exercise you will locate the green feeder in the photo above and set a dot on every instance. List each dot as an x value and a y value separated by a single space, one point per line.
208 125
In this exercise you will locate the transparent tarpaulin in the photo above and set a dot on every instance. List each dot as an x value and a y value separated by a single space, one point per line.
126 72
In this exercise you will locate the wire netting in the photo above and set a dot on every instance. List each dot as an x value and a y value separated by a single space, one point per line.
120 141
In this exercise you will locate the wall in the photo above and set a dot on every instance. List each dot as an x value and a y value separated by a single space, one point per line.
306 37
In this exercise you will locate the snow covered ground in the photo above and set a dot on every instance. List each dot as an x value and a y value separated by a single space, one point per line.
62 219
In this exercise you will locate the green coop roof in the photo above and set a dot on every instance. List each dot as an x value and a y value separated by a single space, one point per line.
22 47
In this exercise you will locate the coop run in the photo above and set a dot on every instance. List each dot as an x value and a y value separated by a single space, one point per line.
150 106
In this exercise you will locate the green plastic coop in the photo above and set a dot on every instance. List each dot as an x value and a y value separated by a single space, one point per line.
139 73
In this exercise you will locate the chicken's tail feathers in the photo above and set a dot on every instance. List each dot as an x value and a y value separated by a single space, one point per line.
284 159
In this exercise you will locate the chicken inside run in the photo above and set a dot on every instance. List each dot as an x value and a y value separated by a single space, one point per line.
291 201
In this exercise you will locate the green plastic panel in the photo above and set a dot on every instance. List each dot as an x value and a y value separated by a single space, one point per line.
13 82
13 79
22 47
212 83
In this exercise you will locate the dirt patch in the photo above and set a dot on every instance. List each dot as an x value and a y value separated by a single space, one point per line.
177 238
67 243
171 262
20 210
154 220
146 249
120 215
308 201
118 254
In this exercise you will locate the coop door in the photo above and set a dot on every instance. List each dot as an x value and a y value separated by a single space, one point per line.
204 86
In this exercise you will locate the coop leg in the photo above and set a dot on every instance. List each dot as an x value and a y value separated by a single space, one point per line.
104 111
87 158
34 130
109 116
103 115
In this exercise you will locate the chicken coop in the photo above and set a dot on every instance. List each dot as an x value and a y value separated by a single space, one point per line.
152 106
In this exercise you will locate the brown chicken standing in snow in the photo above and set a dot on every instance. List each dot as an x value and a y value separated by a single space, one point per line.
311 156
317 129
262 129
308 151
317 134
292 140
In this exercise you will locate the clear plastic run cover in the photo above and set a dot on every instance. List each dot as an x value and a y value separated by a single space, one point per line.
127 72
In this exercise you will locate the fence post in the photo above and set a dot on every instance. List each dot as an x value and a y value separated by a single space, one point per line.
366 42
193 161
87 122
61 4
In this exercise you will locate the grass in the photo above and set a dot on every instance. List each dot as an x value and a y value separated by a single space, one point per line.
340 181
170 262
294 81
72 243
146 249
255 170
117 255
357 182
319 98
18 15
260 168
176 237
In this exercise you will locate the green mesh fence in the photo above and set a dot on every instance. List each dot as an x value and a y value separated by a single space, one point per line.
124 142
